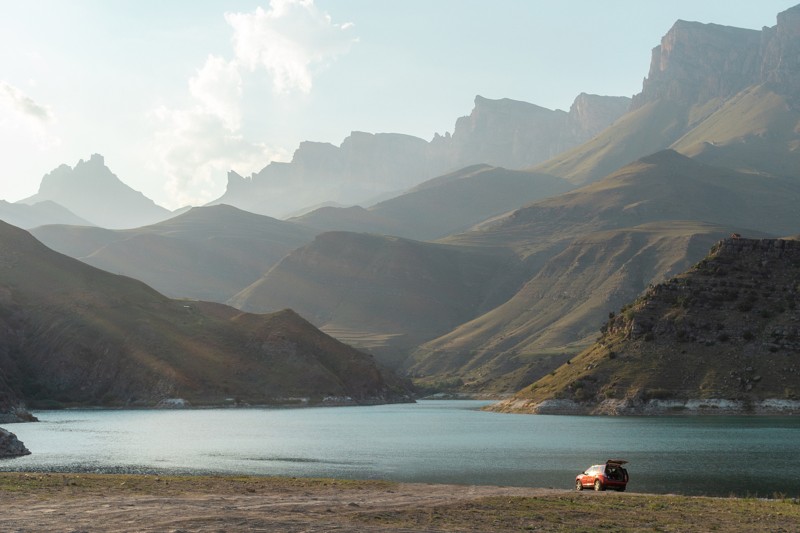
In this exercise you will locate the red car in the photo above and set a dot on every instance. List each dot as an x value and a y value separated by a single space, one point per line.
611 475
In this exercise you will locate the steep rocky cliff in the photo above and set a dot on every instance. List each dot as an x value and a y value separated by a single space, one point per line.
780 54
723 337
505 133
516 134
696 62
725 96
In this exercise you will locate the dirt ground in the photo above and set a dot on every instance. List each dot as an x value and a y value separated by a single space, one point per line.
96 503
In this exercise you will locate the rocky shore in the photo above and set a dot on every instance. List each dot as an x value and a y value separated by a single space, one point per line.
10 445
632 407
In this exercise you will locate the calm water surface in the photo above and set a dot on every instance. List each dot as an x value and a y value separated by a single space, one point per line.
431 441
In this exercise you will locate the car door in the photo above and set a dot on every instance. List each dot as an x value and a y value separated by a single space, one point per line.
588 477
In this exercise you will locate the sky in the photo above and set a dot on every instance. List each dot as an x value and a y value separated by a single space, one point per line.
175 93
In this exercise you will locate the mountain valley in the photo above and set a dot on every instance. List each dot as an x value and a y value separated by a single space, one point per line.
480 262
74 335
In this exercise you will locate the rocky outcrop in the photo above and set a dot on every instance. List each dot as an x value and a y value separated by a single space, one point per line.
10 446
94 193
514 134
697 62
590 114
637 407
781 54
504 133
723 338
363 168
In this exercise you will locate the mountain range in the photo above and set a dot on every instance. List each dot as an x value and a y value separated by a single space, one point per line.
443 205
494 254
77 335
28 216
504 133
724 95
207 253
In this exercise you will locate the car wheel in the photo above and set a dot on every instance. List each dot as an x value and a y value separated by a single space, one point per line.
578 484
598 485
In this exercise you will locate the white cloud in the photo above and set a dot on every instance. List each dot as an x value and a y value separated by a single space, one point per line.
24 104
26 118
288 40
196 149
218 88
197 145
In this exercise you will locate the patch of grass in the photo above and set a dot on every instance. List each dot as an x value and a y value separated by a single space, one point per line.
56 485
593 512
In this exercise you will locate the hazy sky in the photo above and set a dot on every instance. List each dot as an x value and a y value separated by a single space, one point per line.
176 93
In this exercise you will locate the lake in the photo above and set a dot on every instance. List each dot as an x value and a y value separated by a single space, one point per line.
431 441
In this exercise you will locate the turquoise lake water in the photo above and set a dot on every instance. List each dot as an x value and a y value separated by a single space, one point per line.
431 441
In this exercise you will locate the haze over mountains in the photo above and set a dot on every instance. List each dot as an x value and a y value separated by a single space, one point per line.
725 95
93 192
494 254
366 167
207 253
443 205
76 335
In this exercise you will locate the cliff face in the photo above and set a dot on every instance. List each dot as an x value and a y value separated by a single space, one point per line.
698 62
514 134
722 337
780 51
590 114
504 133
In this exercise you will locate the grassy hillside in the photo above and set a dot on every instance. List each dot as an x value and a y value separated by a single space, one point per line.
592 249
660 187
727 329
208 253
557 312
448 204
756 131
80 336
46 212
646 130
392 293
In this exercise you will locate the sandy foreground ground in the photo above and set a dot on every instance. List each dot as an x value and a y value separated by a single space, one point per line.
34 502
317 506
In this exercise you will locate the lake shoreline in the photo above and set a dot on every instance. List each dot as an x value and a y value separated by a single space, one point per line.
113 502
651 408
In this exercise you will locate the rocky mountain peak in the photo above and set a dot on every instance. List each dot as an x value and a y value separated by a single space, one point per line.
696 62
781 54
93 192
789 22
590 114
